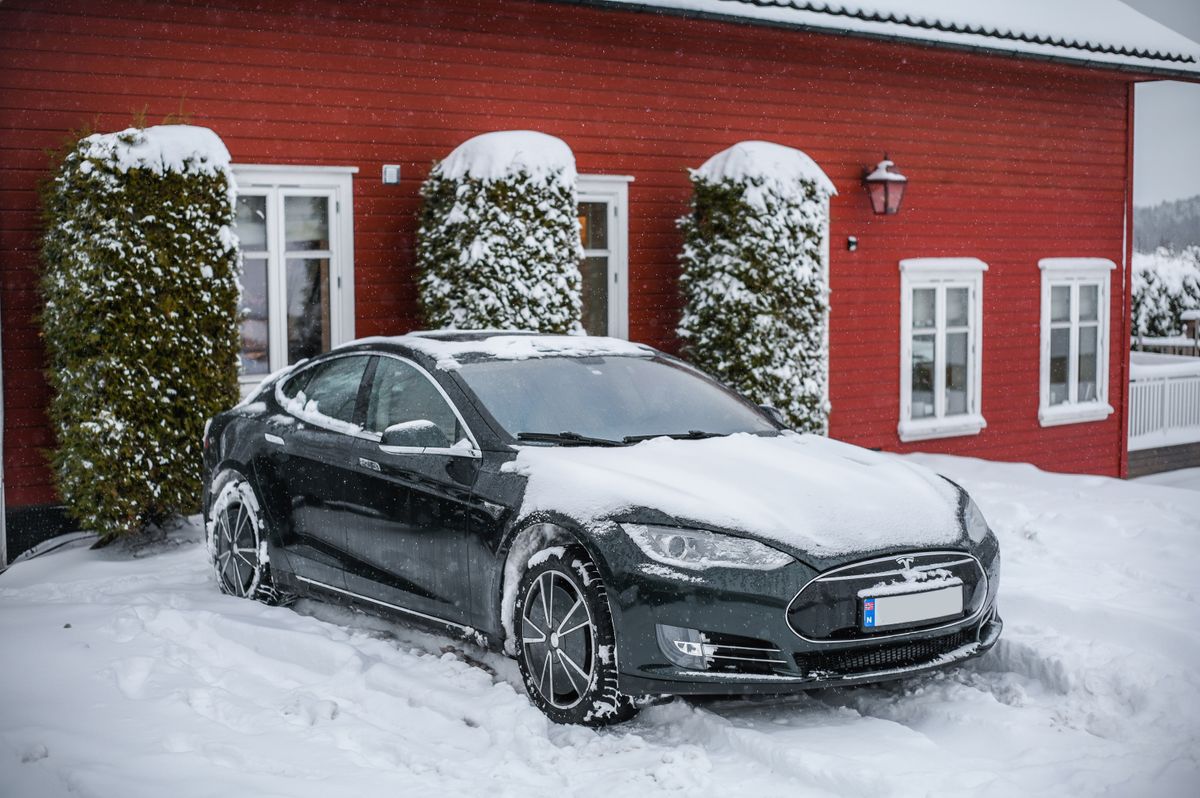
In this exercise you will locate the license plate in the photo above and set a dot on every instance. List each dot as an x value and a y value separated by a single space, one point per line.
901 608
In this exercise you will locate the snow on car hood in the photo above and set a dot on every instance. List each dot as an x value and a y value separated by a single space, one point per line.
805 491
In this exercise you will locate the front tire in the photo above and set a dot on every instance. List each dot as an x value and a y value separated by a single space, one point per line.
566 645
236 543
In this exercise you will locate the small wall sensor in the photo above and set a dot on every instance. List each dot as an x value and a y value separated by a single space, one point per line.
851 243
391 174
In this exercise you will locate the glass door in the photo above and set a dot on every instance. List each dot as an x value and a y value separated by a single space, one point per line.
603 203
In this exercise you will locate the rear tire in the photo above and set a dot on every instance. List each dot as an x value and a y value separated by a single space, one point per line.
566 645
237 544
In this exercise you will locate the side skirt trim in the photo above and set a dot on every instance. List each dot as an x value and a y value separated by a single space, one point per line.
466 629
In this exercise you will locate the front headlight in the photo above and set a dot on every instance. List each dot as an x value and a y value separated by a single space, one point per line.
699 549
977 527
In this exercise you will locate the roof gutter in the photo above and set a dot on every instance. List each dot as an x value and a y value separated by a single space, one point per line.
1146 72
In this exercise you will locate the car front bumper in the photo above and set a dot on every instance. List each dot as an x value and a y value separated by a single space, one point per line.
747 614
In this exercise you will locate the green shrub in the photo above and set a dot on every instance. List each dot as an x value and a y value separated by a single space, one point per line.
754 278
140 279
498 245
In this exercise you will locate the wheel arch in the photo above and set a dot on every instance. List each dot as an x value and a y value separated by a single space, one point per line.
526 539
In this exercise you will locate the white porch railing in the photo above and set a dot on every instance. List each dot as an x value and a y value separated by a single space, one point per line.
1164 401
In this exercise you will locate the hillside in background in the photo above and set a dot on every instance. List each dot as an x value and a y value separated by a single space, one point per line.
1174 225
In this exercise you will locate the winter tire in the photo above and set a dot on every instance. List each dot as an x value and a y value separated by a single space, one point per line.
565 640
236 543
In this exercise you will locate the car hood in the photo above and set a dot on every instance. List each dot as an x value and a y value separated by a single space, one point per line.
817 498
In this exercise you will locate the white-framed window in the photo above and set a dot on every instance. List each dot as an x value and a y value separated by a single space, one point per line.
296 227
941 347
603 214
1075 332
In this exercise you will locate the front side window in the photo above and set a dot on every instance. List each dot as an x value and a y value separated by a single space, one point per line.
400 394
1074 370
294 228
941 309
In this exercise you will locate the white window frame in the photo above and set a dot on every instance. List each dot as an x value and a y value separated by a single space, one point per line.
614 190
1073 273
277 182
939 274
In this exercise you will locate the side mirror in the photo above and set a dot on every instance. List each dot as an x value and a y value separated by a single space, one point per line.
419 434
776 415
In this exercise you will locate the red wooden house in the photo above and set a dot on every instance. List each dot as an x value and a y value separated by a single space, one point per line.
987 318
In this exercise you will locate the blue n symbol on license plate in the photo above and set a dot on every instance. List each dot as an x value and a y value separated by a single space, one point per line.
868 612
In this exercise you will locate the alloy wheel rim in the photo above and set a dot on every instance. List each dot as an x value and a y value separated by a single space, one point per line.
557 633
237 554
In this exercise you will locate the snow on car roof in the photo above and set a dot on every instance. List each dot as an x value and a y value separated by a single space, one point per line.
447 346
1095 32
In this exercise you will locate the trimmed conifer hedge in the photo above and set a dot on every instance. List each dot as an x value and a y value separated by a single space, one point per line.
141 271
754 278
498 245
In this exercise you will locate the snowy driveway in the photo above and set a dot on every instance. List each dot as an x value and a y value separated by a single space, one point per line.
124 676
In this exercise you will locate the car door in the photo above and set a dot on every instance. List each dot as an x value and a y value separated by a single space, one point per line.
408 551
313 461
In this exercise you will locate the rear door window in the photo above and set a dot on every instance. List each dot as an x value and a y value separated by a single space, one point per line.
330 392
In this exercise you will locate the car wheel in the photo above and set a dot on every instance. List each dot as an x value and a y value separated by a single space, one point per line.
236 542
566 643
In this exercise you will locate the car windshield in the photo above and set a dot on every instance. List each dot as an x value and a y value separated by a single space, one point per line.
608 399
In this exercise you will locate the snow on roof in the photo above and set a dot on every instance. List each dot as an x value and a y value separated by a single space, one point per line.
446 346
1097 32
162 148
503 153
775 163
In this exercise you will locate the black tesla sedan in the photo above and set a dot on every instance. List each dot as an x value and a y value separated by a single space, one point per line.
621 523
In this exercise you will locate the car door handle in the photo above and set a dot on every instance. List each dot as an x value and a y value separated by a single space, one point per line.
369 464
275 439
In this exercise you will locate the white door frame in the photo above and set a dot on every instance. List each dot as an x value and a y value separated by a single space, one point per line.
3 510
614 190
279 182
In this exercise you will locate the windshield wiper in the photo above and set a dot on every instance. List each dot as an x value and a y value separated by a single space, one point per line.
690 435
566 439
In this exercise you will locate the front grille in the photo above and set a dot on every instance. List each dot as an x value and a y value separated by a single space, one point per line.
880 658
828 608
747 655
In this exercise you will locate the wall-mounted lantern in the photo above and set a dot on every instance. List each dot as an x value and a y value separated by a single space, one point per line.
885 187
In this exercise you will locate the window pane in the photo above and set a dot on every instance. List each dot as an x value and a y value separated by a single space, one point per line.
1087 364
924 308
333 389
255 355
593 224
1089 302
306 223
956 374
401 393
1060 303
251 223
307 308
956 307
1060 345
595 295
922 375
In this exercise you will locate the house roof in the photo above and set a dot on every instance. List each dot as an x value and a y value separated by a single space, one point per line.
1104 33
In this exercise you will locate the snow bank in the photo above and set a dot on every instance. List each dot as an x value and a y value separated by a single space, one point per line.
128 673
803 491
159 149
781 167
507 153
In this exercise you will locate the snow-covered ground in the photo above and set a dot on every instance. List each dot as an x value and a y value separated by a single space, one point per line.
125 673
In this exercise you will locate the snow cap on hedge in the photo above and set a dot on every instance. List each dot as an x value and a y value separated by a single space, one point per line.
141 319
499 246
754 277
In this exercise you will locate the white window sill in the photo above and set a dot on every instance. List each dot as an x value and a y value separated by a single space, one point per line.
948 427
1074 414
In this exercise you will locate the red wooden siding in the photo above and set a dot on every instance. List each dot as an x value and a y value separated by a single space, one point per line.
1009 161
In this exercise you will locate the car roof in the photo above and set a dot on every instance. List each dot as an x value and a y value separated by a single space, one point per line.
449 349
